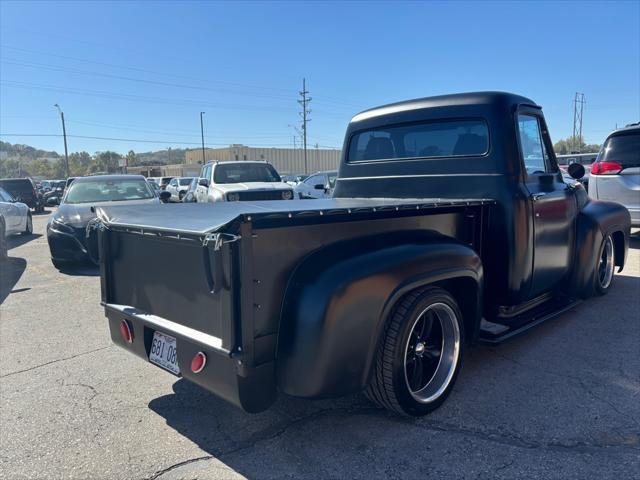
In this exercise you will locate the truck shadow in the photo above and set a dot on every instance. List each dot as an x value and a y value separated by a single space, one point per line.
11 270
326 438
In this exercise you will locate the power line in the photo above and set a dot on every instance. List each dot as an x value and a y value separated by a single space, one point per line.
324 99
132 140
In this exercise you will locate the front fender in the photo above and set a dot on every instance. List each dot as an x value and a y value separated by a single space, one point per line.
339 297
596 220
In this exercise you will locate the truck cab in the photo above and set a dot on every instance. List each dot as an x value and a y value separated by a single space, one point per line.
450 224
241 181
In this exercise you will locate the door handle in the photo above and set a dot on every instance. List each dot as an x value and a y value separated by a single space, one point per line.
537 196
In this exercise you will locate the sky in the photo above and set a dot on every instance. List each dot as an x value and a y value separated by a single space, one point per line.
138 74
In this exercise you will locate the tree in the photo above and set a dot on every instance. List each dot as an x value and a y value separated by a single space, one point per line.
573 144
131 158
79 163
106 162
40 168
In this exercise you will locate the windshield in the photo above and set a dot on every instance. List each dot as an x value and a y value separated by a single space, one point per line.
245 172
623 149
108 191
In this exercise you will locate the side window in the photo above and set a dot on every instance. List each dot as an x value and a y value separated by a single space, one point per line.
531 146
206 172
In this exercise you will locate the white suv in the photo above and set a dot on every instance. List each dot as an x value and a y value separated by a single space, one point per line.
242 180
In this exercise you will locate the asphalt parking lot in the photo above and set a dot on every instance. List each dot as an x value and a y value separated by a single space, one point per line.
560 402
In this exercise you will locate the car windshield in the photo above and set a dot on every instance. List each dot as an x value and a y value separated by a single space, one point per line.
245 172
623 149
185 181
108 191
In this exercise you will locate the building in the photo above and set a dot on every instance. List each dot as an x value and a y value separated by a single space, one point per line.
286 160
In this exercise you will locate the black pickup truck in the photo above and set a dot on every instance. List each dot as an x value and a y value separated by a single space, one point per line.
451 224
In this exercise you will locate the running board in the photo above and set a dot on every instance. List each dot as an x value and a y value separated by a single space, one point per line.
492 333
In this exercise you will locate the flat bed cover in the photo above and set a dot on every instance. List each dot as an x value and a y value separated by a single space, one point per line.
204 218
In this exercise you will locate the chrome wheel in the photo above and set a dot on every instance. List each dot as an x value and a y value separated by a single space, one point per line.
432 352
605 265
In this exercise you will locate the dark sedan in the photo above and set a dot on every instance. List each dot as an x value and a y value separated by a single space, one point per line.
66 230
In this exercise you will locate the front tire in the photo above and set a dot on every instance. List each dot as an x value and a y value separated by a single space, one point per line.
419 356
4 249
28 229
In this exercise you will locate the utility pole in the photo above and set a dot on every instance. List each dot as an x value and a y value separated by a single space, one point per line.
169 153
64 134
578 107
202 133
304 115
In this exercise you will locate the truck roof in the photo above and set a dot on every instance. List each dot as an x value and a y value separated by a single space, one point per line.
457 99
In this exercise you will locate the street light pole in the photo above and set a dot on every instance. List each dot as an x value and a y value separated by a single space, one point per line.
64 134
202 134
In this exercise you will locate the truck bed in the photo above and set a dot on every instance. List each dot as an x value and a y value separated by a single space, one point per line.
215 275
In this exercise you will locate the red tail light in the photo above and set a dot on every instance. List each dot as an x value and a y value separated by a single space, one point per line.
198 362
126 331
605 168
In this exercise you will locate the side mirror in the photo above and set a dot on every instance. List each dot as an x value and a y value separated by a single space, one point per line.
165 196
319 186
51 201
576 170
204 182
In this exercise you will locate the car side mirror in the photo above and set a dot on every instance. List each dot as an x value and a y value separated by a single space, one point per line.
165 196
51 201
576 170
319 186
204 182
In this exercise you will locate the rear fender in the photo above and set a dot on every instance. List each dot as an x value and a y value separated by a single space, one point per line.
596 220
339 297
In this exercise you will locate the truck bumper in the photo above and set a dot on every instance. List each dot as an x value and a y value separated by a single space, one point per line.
224 375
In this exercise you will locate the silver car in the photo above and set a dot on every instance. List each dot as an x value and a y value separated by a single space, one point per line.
615 175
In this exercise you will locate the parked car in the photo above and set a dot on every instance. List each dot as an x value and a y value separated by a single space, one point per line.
435 238
67 227
161 181
241 180
15 217
178 187
190 196
56 192
317 185
24 190
615 175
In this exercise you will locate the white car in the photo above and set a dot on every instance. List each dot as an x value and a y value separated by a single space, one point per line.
241 180
317 185
15 217
178 188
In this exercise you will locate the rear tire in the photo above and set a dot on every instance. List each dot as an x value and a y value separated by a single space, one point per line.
605 266
419 355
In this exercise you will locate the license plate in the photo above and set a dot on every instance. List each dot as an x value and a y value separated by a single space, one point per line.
164 352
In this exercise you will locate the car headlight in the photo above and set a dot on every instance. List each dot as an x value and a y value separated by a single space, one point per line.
287 195
233 196
61 227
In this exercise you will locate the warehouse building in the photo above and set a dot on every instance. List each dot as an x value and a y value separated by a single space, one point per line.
286 160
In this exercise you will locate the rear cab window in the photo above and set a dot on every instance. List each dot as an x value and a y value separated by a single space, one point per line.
430 139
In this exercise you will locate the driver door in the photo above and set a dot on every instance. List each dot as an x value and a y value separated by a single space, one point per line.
553 207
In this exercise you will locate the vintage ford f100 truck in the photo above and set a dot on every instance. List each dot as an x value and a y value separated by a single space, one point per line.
450 224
